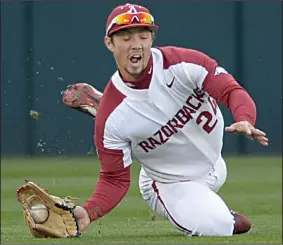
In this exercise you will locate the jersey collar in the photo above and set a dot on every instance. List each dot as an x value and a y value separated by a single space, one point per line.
144 80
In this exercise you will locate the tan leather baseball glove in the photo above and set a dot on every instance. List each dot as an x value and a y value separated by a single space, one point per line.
60 222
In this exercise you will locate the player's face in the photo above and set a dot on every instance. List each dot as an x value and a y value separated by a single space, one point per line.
131 49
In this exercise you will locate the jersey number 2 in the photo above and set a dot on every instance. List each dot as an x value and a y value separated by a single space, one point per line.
208 126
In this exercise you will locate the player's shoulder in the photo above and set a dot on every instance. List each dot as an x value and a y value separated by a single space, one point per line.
110 100
173 55
105 123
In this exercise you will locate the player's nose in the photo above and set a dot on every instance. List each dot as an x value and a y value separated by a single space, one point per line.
136 43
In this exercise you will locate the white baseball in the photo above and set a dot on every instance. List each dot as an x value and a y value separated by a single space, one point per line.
39 213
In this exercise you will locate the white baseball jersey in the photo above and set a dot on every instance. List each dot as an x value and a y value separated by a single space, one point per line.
173 128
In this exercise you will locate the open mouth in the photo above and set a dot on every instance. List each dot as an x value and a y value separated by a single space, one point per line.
135 59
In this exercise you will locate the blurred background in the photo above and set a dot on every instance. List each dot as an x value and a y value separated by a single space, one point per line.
47 45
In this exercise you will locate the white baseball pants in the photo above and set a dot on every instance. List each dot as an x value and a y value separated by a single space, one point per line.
192 207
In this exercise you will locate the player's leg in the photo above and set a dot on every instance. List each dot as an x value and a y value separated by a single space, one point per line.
149 196
190 206
214 180
195 209
82 97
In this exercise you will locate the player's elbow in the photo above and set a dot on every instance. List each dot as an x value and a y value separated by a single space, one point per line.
121 177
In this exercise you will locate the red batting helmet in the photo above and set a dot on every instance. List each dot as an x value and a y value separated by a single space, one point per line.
129 15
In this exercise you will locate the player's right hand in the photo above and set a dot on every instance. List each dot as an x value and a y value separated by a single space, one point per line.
82 217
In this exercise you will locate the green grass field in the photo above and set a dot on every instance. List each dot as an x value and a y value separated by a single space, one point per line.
253 187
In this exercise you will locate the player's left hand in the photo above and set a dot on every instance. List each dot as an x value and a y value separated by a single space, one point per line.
82 217
244 127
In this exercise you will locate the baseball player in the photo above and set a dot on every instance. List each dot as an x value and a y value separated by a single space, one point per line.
161 108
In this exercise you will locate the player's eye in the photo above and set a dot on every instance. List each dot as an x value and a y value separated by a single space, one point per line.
144 37
126 38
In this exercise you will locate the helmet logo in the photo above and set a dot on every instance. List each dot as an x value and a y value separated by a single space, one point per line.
132 9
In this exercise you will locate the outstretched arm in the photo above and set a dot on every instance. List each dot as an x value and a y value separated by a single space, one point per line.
205 74
225 90
109 191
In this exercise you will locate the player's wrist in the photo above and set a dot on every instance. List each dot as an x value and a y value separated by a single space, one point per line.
93 212
245 119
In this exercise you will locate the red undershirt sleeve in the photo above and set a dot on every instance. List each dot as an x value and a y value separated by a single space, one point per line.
112 186
225 90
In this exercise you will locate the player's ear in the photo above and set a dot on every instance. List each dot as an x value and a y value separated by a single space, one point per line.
153 36
109 43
